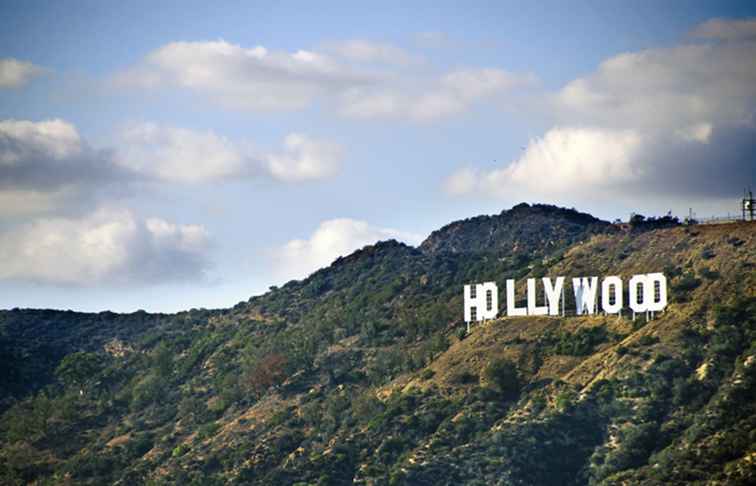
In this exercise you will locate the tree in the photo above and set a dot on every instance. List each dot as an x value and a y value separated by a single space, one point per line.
30 419
162 358
78 369
502 374
268 371
194 410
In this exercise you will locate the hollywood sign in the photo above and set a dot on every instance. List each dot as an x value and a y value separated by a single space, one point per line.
646 293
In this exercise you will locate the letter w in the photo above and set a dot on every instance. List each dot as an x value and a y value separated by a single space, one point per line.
585 294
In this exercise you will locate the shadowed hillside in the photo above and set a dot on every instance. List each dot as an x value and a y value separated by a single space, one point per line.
362 373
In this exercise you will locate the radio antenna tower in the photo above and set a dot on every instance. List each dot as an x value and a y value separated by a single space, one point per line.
749 205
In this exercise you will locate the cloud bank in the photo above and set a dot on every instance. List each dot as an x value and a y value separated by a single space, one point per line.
47 168
47 165
675 122
106 247
180 155
355 78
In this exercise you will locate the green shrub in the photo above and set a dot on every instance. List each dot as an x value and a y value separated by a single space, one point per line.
565 400
503 375
180 450
684 285
709 274
463 378
461 333
579 343
208 430
427 374
647 340
139 445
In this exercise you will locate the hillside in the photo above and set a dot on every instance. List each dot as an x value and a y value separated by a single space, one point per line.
362 373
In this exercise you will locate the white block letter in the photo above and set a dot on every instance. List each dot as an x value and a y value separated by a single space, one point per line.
611 286
585 294
636 283
656 304
533 309
485 302
512 309
553 294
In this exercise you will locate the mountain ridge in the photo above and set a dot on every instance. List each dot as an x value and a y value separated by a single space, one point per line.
362 373
498 233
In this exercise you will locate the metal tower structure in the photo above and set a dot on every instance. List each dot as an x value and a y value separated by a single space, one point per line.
749 206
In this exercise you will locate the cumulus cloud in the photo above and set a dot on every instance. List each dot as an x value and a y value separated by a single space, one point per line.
461 182
188 156
666 122
727 29
108 247
15 73
564 159
178 154
357 78
28 202
23 139
332 239
448 95
567 158
46 164
244 78
667 88
304 158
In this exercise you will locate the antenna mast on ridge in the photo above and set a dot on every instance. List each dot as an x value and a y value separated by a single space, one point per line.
749 205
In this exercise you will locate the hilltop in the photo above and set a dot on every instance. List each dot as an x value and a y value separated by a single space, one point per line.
362 373
524 229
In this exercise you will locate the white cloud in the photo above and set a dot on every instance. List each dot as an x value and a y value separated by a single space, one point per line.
666 89
332 239
20 139
15 73
448 95
188 156
462 182
474 84
304 158
178 154
106 247
357 78
364 51
564 159
243 78
46 165
661 123
727 29
25 202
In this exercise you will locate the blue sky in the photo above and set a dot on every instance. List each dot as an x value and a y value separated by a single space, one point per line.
191 155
